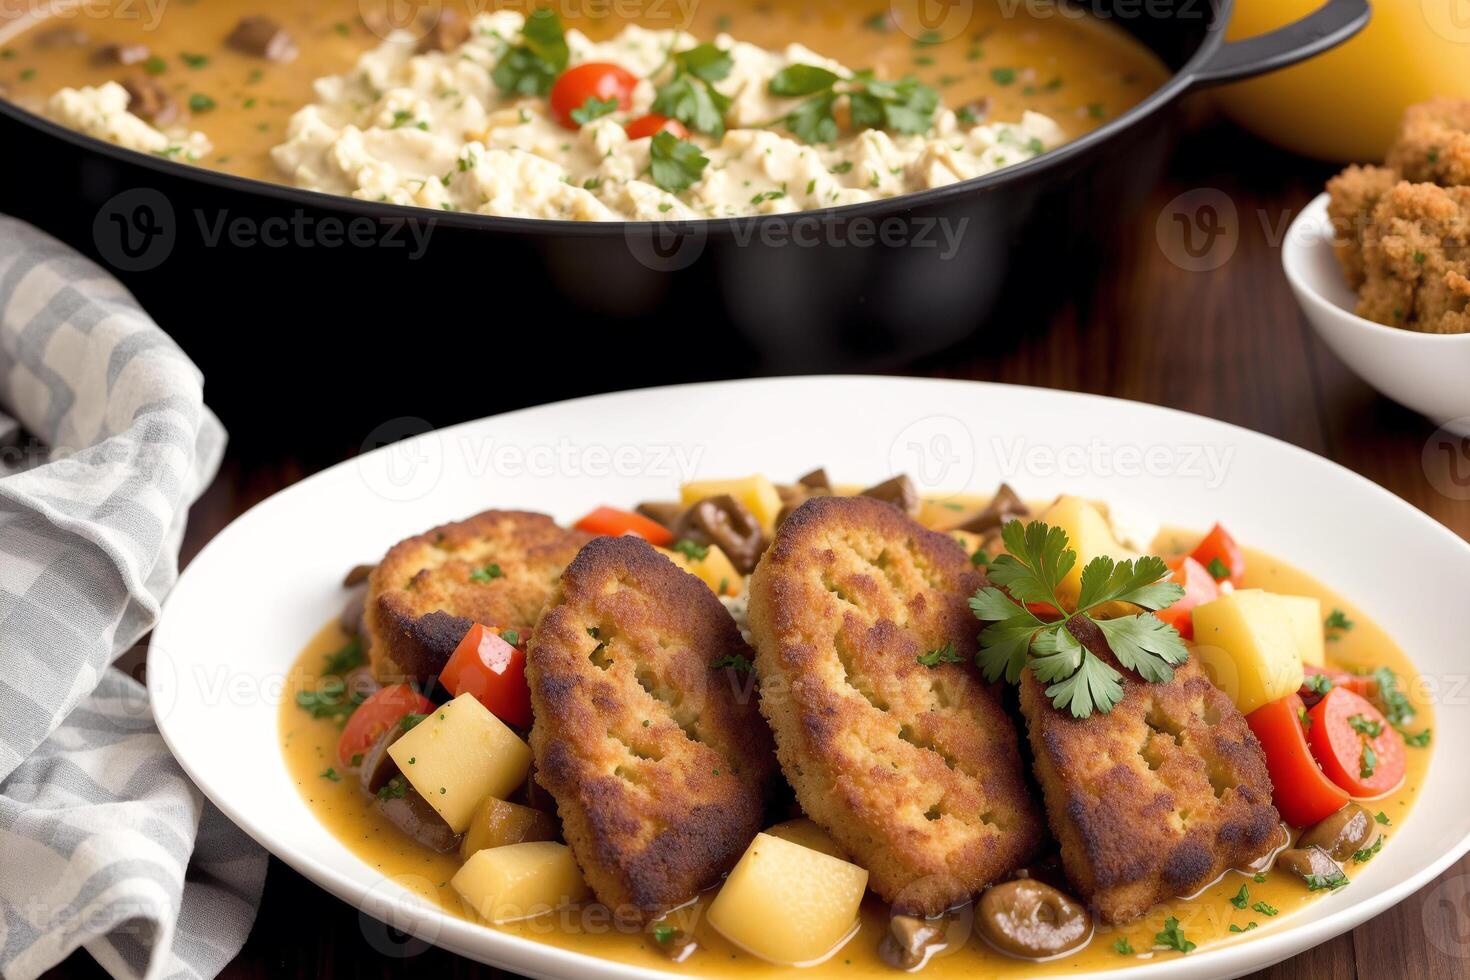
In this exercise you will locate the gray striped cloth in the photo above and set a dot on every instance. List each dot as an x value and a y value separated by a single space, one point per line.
104 842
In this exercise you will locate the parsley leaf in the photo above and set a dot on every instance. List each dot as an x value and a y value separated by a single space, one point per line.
1248 927
1122 946
1036 562
694 103
394 789
737 662
1172 937
1265 908
1333 881
1242 898
1396 706
593 108
1365 726
342 661
1218 570
903 106
675 164
331 775
329 700
490 571
513 637
1417 740
946 654
1337 620
1318 684
1365 854
1370 762
663 935
814 120
705 62
531 67
691 549
798 80
1382 818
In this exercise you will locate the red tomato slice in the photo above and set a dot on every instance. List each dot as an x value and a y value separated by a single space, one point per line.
592 80
494 672
652 124
1342 739
375 716
1199 588
1219 546
613 522
1302 792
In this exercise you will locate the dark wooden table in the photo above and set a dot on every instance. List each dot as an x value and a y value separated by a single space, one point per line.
1227 343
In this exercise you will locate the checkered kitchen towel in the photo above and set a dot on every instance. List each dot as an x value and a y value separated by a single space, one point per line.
104 843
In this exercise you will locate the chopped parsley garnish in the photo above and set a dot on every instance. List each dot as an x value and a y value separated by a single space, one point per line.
341 661
692 550
1016 638
1318 684
1365 726
407 722
1382 818
1396 706
194 60
980 558
1333 881
1172 937
1122 946
1265 908
199 102
904 106
1417 740
490 571
1364 855
1095 110
513 637
675 164
1259 877
593 108
1337 622
1370 762
531 67
1242 898
332 775
690 95
155 65
330 700
394 789
1218 570
1248 927
1003 76
737 662
663 935
946 654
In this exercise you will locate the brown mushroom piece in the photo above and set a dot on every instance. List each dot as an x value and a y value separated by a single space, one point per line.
673 942
1032 920
898 491
413 815
1343 834
665 512
1308 863
120 54
724 521
149 100
911 940
377 765
1005 506
61 36
447 32
262 37
816 480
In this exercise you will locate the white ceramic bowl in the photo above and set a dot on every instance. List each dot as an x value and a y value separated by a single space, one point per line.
253 597
1429 373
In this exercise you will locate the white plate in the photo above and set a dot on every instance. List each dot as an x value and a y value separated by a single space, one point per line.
248 603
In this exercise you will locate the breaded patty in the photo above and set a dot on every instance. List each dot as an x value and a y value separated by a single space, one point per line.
651 745
1353 195
913 769
496 568
1433 144
1155 799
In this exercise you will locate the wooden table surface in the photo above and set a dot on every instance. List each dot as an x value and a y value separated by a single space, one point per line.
1227 343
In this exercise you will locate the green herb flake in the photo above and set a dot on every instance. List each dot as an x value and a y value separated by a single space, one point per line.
1172 937
488 573
331 775
593 108
1242 898
1265 908
1364 855
1382 818
1248 927
1365 726
513 637
737 662
1337 621
675 164
194 60
345 659
1122 946
692 550
532 66
1218 570
1328 882
663 935
946 654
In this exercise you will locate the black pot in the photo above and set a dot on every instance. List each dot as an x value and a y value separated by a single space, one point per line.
300 305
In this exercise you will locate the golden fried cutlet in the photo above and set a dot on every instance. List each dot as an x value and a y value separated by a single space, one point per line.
1353 196
1416 259
649 741
1155 799
912 768
496 568
1433 144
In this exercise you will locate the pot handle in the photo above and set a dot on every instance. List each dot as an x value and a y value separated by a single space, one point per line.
1321 30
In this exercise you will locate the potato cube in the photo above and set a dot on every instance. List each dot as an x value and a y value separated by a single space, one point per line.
497 823
1088 534
757 493
787 903
517 881
1247 644
1305 614
459 755
714 569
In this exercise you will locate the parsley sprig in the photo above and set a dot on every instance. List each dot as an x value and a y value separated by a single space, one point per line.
675 164
690 95
1038 560
531 67
904 106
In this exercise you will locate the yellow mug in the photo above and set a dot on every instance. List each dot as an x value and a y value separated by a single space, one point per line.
1345 105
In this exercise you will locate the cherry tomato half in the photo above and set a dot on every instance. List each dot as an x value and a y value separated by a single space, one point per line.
1199 588
375 716
652 124
1343 739
494 672
613 522
1302 792
592 80
1219 546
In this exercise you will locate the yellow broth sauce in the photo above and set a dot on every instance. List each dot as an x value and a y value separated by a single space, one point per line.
1077 70
310 750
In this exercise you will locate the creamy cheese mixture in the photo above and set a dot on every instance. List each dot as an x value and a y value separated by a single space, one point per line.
431 129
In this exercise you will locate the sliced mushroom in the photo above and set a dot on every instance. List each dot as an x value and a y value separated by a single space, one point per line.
666 512
413 815
816 480
1343 834
120 54
447 32
377 765
1005 506
1032 920
911 940
724 521
1308 862
262 37
149 100
898 491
